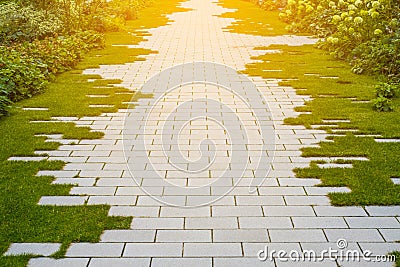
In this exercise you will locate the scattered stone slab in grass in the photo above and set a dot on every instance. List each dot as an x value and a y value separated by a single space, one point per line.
27 158
49 262
334 165
379 140
396 180
41 249
62 200
35 109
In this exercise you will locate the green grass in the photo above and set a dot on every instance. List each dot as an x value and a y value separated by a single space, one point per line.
369 181
22 220
251 19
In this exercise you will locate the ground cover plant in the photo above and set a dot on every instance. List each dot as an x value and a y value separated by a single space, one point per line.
22 220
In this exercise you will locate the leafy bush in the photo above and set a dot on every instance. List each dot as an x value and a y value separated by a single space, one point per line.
4 104
26 68
386 90
20 76
270 4
41 38
365 32
24 23
382 104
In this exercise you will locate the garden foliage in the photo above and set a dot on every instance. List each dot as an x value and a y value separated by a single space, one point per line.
39 39
364 32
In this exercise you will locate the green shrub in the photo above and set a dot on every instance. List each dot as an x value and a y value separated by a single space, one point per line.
20 76
24 23
382 104
4 103
364 32
27 67
386 90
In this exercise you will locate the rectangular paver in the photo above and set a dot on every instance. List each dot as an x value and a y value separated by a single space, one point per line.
183 236
354 235
241 235
153 250
229 211
41 249
265 222
128 236
211 223
157 223
312 235
95 250
212 250
116 262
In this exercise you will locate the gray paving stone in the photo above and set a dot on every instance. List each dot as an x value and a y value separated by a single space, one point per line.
339 211
90 190
211 223
95 250
240 235
137 191
296 235
354 235
128 236
281 191
319 222
100 173
75 181
157 223
265 223
322 191
62 200
179 212
229 211
364 263
112 200
183 236
58 174
181 262
83 166
212 250
119 262
41 249
380 248
281 211
307 200
115 182
371 222
383 211
227 262
298 182
134 211
153 250
49 262
259 200
252 249
390 235
325 263
201 200
319 248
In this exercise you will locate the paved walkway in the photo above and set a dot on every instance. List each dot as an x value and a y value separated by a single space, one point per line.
201 210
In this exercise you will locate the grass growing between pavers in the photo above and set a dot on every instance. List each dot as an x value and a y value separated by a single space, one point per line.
335 90
22 220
